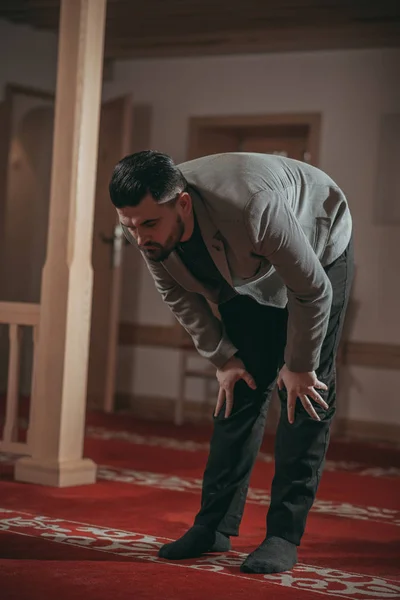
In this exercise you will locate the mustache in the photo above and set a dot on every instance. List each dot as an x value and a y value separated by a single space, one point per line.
147 246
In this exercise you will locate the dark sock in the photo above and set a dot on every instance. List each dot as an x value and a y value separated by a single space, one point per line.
195 542
274 555
222 543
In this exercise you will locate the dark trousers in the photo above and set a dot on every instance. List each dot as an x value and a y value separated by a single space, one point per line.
259 332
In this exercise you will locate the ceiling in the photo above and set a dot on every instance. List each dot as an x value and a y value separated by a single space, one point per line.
164 28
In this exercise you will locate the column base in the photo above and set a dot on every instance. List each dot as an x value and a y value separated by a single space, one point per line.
55 473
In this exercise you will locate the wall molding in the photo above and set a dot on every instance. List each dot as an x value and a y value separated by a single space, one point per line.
371 354
366 430
162 409
170 336
157 408
365 354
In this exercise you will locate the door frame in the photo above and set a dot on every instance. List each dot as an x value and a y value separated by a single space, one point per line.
226 123
116 281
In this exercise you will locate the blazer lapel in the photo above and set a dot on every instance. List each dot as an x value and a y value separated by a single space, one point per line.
211 236
215 247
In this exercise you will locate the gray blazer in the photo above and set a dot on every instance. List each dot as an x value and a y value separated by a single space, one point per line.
270 224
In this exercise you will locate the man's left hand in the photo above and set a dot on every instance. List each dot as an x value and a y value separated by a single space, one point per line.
303 386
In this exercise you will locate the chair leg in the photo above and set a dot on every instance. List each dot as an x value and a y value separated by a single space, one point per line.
208 393
179 403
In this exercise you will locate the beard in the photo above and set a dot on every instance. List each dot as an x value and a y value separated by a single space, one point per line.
159 252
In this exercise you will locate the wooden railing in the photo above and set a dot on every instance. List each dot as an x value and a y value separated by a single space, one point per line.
17 315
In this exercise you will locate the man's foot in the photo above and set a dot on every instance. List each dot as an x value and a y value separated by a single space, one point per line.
274 555
195 542
222 543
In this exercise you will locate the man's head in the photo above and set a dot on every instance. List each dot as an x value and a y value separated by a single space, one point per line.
151 198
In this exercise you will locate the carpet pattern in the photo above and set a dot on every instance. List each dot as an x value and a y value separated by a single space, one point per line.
101 541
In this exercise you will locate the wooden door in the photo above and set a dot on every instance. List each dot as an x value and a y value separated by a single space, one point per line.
285 145
292 135
114 143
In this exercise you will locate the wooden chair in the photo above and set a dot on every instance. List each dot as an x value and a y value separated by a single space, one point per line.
205 373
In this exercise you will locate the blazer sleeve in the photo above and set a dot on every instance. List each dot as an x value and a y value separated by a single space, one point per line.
193 312
276 234
195 315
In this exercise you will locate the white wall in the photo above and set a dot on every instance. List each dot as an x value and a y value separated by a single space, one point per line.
353 90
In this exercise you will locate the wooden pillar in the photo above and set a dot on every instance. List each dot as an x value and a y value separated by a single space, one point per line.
59 394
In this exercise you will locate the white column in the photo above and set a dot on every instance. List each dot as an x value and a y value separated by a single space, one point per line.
59 394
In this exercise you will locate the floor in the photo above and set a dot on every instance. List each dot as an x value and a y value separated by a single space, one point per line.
101 541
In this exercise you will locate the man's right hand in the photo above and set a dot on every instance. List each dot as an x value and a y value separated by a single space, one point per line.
227 376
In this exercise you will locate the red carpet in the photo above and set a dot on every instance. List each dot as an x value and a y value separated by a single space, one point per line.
101 541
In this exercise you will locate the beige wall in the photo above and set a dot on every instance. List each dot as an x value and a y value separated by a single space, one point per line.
29 57
353 90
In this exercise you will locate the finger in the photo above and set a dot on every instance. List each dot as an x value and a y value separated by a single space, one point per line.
229 402
309 407
249 380
321 386
220 401
291 404
279 383
317 398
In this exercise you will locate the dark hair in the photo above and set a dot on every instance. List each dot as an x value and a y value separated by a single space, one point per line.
142 173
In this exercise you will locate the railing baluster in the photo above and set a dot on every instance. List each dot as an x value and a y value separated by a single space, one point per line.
35 335
10 433
16 315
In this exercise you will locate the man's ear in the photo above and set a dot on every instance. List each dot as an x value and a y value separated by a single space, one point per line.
185 203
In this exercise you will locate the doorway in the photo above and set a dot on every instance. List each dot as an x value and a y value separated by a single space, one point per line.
292 135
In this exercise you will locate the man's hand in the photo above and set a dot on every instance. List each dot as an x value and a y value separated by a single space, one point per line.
303 386
227 376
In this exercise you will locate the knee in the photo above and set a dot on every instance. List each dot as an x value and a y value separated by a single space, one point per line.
302 415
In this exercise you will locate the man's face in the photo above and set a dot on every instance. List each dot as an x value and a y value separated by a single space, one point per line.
157 228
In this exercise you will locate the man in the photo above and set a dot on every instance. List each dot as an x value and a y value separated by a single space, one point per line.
268 240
